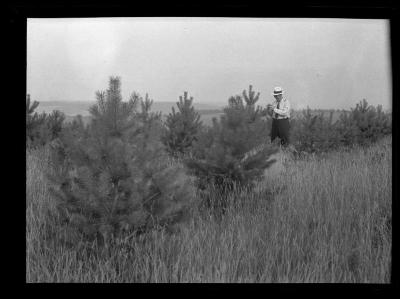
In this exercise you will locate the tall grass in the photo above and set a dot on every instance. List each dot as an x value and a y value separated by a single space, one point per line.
327 220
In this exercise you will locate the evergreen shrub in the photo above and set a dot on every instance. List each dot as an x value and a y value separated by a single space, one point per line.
235 150
314 133
113 177
41 128
363 125
181 127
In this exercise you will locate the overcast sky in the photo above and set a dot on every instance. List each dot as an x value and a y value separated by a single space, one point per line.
323 63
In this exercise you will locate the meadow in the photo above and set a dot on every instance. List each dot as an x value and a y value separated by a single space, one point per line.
314 219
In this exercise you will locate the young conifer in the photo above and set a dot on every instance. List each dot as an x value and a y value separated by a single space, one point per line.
314 133
364 124
41 128
54 123
221 154
181 127
115 176
34 123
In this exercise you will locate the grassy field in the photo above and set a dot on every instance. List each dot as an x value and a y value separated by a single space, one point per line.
310 220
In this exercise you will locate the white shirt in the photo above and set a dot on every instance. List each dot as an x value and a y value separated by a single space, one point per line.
283 111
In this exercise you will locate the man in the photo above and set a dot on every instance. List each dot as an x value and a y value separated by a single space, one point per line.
280 112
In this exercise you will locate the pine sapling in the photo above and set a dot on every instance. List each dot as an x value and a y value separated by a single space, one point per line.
181 127
220 155
114 177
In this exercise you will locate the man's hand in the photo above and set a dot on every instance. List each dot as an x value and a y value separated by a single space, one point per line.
270 107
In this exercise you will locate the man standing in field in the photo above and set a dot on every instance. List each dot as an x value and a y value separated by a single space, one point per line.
280 113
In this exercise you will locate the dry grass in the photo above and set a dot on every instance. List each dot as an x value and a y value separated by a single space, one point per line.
330 221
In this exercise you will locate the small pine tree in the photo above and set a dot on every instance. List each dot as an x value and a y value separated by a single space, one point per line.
314 133
181 127
41 128
364 124
54 123
115 177
348 129
34 122
220 155
251 98
110 115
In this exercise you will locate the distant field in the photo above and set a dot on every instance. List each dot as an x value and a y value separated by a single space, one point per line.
335 117
207 111
206 117
74 107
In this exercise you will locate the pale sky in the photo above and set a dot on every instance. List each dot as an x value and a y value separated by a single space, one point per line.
322 63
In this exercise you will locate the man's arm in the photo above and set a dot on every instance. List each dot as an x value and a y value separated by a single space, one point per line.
270 109
284 110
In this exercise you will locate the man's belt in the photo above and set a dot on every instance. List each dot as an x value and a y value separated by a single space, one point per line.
280 118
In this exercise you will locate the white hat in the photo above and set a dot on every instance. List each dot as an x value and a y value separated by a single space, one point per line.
277 90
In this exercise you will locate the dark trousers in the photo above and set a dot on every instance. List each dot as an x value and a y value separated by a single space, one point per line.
280 128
